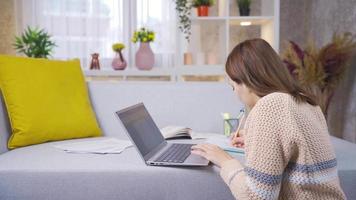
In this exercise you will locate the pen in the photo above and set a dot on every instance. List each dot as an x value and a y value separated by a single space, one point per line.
241 118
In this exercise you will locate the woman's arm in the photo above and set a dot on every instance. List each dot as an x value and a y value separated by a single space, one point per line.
269 145
268 149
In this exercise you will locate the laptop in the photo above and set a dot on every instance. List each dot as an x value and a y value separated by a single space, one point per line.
149 142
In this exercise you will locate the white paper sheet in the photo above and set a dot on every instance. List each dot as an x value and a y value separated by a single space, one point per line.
98 146
198 135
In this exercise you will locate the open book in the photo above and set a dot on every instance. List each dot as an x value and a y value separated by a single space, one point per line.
176 132
179 132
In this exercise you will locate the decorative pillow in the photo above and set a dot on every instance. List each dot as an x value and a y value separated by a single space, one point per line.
46 100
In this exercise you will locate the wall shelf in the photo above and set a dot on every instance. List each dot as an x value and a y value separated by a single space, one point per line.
255 20
173 73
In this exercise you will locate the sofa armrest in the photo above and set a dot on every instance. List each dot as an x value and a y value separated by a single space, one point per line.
5 130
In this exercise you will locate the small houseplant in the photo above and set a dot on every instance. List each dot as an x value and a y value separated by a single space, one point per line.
183 8
118 63
203 6
35 43
244 7
319 71
144 56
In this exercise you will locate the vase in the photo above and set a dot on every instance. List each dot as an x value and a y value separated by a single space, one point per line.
144 57
188 58
203 11
211 58
244 11
119 63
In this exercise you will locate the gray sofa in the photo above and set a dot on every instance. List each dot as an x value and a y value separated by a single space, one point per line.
41 172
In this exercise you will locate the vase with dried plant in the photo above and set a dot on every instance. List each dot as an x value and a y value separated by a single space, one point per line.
319 71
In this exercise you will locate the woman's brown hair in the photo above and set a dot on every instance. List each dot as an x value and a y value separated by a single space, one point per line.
255 64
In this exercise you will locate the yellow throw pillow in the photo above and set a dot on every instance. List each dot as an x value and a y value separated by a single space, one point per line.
46 100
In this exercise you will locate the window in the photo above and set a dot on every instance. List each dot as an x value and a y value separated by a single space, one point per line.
82 27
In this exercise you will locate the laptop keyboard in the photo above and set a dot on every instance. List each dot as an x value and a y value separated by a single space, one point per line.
176 153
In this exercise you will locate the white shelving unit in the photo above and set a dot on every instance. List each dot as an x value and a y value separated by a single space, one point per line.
221 27
218 31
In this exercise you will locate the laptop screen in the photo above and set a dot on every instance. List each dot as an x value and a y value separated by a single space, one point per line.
141 128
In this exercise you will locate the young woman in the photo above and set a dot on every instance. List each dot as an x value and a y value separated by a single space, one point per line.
286 140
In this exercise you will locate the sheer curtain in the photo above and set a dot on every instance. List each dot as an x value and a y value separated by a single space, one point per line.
82 27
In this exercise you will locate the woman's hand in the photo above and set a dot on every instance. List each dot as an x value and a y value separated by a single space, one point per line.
211 152
239 140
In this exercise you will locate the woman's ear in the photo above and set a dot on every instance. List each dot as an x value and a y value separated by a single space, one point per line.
246 88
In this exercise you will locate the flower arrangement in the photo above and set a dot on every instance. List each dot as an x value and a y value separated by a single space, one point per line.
118 63
118 47
319 71
143 35
197 3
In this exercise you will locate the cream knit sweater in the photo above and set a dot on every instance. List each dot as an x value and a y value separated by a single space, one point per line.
288 154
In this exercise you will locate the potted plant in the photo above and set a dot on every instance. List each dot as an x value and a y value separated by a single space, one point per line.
183 8
118 63
203 6
144 56
319 71
34 43
244 7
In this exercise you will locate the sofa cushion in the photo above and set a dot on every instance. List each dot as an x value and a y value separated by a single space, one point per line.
45 172
46 100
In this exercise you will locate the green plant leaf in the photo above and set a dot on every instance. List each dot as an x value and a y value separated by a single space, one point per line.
34 42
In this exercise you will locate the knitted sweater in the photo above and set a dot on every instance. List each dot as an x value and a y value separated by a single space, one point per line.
288 154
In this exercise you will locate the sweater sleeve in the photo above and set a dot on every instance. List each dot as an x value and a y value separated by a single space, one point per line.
268 150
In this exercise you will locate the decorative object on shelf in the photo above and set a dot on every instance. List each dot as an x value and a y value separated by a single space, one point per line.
183 8
203 7
200 58
35 43
118 63
144 56
211 58
94 64
320 71
222 8
244 7
188 58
